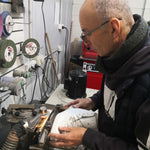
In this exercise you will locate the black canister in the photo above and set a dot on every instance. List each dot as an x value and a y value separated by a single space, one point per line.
76 84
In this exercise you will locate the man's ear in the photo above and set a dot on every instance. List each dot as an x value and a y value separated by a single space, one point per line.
115 24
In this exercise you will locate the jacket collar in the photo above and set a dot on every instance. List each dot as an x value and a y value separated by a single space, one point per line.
135 41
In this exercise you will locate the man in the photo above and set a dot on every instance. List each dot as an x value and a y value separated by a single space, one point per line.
122 43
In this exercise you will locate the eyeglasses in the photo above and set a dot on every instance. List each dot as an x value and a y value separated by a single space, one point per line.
83 36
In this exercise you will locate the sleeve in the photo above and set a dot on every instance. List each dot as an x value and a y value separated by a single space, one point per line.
98 141
96 99
142 129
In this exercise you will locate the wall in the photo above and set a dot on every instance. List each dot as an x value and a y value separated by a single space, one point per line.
17 36
43 80
57 38
141 7
75 17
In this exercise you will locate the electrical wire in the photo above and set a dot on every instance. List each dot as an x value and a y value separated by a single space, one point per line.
44 22
144 8
33 89
49 66
39 84
44 79
37 78
66 48
4 99
47 53
58 63
24 95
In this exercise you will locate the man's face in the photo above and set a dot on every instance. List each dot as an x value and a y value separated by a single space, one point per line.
101 39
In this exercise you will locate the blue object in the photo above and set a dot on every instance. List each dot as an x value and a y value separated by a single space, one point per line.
4 16
4 0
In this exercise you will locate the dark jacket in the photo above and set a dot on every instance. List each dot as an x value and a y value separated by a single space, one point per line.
128 74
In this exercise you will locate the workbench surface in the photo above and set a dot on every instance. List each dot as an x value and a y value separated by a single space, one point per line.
59 95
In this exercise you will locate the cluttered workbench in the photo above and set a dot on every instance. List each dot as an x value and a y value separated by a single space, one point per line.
36 121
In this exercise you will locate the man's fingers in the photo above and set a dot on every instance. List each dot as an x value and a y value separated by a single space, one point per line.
57 136
76 105
72 103
64 129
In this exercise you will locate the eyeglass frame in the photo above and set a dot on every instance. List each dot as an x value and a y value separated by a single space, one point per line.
83 36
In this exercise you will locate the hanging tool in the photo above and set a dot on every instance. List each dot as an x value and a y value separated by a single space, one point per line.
52 57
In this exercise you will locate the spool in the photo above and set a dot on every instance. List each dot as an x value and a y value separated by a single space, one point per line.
11 142
1 25
7 79
21 73
12 83
7 23
8 53
16 80
30 48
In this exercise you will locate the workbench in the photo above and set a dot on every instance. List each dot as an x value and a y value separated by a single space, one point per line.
59 95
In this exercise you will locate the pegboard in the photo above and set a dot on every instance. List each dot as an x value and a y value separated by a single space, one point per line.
17 35
35 29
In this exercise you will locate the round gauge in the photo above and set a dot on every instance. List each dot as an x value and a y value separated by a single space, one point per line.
8 53
30 48
8 23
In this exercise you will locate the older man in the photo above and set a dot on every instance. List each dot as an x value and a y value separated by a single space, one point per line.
123 44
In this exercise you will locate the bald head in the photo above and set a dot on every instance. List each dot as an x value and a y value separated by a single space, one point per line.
114 8
107 9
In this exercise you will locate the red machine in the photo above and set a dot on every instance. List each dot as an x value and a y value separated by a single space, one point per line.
94 78
88 52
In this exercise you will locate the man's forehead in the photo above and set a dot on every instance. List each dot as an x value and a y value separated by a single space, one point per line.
88 22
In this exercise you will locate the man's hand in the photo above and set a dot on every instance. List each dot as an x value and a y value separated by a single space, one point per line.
70 137
85 103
